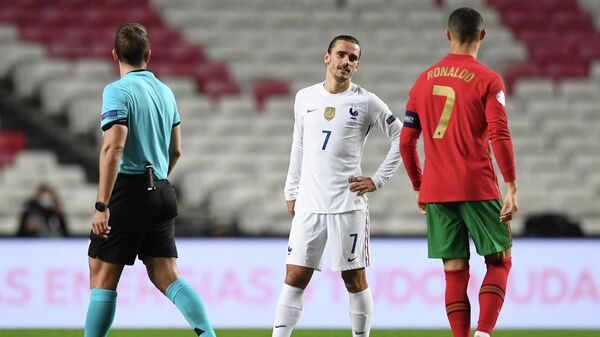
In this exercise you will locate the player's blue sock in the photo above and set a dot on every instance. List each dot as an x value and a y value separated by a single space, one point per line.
190 304
101 312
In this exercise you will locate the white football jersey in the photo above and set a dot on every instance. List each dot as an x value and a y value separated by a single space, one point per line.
330 131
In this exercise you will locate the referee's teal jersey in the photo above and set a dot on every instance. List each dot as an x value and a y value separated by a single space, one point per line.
147 107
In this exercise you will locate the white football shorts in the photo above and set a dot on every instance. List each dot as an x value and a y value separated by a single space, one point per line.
346 234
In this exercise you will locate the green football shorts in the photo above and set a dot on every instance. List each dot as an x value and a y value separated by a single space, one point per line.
450 223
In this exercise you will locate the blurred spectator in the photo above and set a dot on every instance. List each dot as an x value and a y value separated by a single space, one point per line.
42 216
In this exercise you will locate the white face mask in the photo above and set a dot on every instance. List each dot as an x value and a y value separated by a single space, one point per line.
46 201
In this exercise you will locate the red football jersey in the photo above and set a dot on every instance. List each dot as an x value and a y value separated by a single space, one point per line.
458 104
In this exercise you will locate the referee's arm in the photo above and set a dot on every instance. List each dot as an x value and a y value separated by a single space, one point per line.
174 147
110 155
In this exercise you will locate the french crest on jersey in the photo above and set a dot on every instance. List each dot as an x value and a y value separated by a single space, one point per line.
353 113
329 113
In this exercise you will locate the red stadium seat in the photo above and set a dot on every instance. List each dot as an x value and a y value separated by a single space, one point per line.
73 4
265 88
215 89
559 71
124 3
537 36
180 61
570 21
559 5
524 20
210 72
9 13
32 5
560 36
11 143
546 54
213 79
589 53
514 71
163 38
504 6
75 29
581 39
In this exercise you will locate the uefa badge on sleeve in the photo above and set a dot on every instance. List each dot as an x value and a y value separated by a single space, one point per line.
500 97
329 113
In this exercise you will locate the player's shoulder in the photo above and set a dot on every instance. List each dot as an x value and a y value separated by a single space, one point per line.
423 75
358 90
487 72
310 90
115 87
366 94
164 87
373 102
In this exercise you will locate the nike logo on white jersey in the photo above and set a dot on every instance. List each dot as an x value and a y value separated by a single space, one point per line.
311 110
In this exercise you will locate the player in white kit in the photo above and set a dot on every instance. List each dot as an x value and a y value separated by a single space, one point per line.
325 189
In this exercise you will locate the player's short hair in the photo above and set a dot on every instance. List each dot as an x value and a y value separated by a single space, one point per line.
132 43
465 24
348 38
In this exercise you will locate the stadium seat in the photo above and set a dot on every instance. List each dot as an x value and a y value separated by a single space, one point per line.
11 143
578 90
516 70
534 87
559 71
222 57
84 114
29 77
267 88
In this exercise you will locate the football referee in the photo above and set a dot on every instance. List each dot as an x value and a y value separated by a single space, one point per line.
136 205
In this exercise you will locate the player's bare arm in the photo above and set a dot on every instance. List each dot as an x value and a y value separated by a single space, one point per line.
361 185
174 147
510 205
291 205
420 205
110 155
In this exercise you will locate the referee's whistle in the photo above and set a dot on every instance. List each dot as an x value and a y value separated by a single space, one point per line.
149 176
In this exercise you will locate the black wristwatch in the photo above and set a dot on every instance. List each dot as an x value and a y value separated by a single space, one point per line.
100 206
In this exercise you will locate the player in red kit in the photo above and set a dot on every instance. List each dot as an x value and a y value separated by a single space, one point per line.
458 105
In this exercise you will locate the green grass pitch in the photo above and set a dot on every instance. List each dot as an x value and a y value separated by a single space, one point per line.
297 333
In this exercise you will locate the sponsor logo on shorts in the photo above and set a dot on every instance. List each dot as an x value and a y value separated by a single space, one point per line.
352 259
280 326
289 250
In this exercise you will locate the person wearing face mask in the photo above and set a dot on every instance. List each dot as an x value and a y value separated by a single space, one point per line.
42 216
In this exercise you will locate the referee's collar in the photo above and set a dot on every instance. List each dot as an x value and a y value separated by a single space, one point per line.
137 70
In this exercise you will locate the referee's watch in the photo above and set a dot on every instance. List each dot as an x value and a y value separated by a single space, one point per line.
100 206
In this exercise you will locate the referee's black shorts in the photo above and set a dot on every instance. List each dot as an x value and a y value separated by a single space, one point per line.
142 222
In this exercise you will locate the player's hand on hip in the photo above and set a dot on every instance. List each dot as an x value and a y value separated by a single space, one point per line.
100 225
510 205
361 185
291 205
420 205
